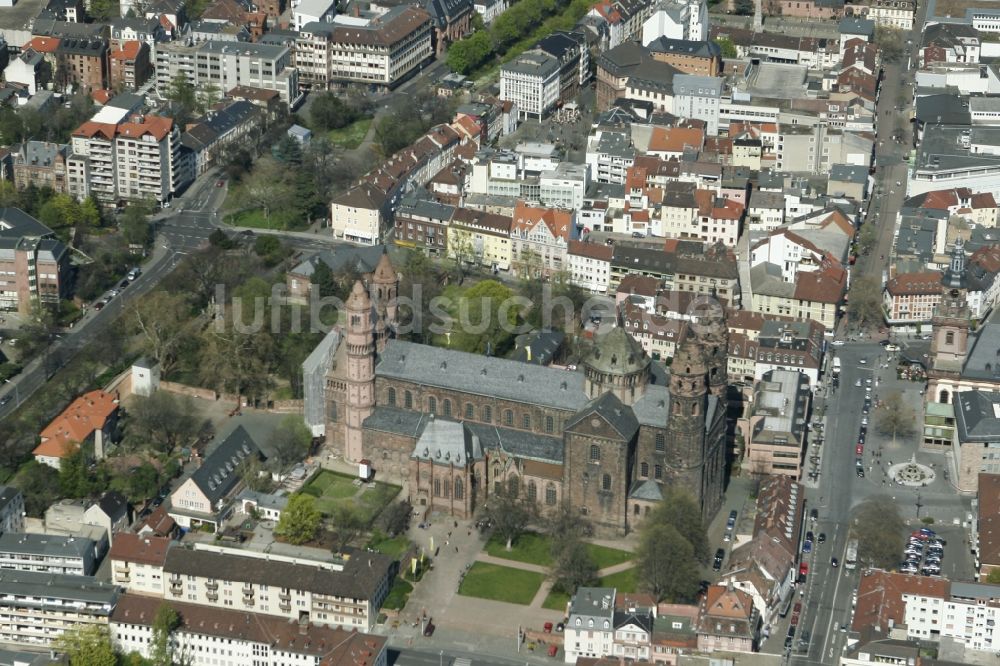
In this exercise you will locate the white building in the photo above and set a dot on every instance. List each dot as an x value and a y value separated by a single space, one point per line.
226 65
699 97
491 9
532 82
313 11
37 608
564 187
609 156
590 629
137 562
590 265
968 613
893 13
357 215
218 637
48 553
677 19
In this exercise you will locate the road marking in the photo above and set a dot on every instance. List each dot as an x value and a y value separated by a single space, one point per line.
836 587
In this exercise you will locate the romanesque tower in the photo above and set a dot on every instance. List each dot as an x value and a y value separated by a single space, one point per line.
360 341
713 334
686 420
617 364
385 284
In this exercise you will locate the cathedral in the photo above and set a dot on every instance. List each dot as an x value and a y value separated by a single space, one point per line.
456 427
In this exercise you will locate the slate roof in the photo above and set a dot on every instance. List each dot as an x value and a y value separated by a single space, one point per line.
15 223
113 504
363 259
218 474
609 408
396 420
359 579
214 125
647 490
983 359
977 415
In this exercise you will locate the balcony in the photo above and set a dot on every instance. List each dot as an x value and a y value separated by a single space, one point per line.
212 585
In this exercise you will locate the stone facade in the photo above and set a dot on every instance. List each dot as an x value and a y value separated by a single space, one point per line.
459 427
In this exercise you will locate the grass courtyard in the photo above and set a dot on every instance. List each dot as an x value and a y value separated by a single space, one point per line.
332 490
491 581
351 136
534 548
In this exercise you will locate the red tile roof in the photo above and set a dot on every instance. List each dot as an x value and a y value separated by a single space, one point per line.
42 45
128 547
129 50
76 424
913 284
675 139
880 598
139 126
528 217
989 520
825 285
598 251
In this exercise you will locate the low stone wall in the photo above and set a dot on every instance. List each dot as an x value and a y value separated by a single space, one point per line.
193 391
287 406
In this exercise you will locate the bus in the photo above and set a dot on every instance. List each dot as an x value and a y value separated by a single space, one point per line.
851 556
836 367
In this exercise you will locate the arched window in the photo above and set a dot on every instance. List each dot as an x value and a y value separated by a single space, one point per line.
408 400
446 407
606 482
487 414
595 453
657 472
532 491
392 397
635 509
437 487
944 397
459 490
513 485
644 467
526 421
550 494
550 424
447 488
470 411
508 417
694 409
661 442
949 338
432 405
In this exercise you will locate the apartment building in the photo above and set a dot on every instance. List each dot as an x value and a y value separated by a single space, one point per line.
358 215
11 509
37 608
775 430
91 417
379 50
893 13
224 129
564 186
227 65
48 553
34 266
85 63
813 295
540 239
344 592
590 265
218 637
910 298
130 65
483 238
532 82
589 630
137 562
423 223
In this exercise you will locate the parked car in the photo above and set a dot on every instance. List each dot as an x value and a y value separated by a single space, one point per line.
717 562
834 562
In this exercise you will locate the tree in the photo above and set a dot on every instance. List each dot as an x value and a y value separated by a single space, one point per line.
864 303
167 620
253 474
40 487
744 8
161 321
300 520
880 531
680 510
139 484
395 519
726 47
134 224
288 151
322 278
890 42
573 567
666 564
347 524
483 320
208 96
268 187
894 417
182 92
74 479
867 238
90 645
163 421
290 442
509 513
329 112
237 363
103 10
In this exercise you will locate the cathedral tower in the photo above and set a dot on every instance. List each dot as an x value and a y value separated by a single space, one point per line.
686 421
360 380
950 328
385 284
618 364
713 334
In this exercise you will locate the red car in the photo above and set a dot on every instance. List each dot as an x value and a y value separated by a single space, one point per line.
860 449
803 569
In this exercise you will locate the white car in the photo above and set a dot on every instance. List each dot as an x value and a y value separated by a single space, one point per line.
838 343
863 361
892 347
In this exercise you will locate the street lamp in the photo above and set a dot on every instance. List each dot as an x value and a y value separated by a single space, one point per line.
918 504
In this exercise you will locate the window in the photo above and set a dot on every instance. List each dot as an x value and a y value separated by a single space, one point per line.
644 467
508 417
606 482
526 421
657 472
532 491
949 338
487 414
459 489
437 487
432 405
550 494
392 397
550 424
408 400
595 453
470 411
661 442
446 407
512 486
447 488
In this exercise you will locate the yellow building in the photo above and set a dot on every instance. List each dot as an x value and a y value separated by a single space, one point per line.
480 238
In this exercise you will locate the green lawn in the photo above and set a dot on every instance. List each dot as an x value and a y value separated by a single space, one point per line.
281 220
556 601
332 490
351 136
398 595
623 581
534 548
393 547
530 548
491 581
